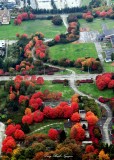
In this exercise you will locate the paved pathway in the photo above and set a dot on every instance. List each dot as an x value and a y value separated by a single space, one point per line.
89 36
64 18
99 51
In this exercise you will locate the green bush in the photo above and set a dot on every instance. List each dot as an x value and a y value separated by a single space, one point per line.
57 20
29 153
39 147
49 144
72 18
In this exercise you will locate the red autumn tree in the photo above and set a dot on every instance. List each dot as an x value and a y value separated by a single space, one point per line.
75 106
38 116
89 149
1 72
75 117
25 16
67 110
53 134
8 144
19 134
27 119
40 81
22 99
103 80
17 21
32 16
35 103
63 104
103 14
10 129
111 84
91 118
42 55
77 132
50 112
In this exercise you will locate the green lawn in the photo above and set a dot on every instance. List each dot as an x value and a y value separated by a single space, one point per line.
67 92
45 122
72 51
30 27
94 92
96 24
108 67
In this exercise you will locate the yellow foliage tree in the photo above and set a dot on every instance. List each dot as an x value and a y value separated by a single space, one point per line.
103 156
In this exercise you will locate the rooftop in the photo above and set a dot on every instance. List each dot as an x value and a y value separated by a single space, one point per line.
108 32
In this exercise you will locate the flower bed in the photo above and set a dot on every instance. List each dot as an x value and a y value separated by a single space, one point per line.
85 81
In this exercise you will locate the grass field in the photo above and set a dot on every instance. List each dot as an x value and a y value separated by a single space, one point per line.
45 122
108 67
93 90
67 92
72 51
31 27
96 24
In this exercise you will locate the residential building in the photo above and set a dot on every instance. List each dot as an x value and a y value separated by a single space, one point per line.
4 16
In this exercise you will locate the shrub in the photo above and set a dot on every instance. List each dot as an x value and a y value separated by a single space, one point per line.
72 18
53 134
38 147
49 143
29 152
57 20
89 18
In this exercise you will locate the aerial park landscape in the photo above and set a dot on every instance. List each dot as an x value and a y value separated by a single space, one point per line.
57 80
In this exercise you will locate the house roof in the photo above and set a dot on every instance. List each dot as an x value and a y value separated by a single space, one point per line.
112 40
109 32
108 53
5 11
2 43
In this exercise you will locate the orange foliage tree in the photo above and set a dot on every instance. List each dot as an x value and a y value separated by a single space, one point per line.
91 118
77 132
